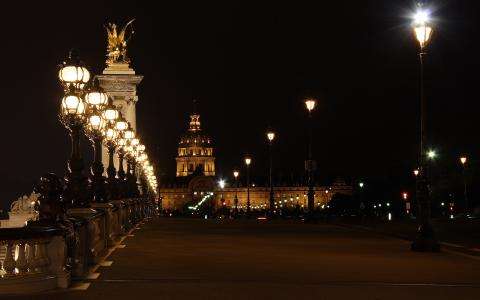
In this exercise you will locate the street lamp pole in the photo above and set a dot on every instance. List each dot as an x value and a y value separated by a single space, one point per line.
425 240
310 163
248 161
463 160
73 77
271 137
235 200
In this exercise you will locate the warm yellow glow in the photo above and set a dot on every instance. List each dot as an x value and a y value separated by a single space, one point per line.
431 154
96 98
121 142
96 122
423 34
74 74
416 172
110 134
141 148
463 160
270 135
129 134
121 125
423 31
110 114
310 104
248 161
134 142
72 105
235 174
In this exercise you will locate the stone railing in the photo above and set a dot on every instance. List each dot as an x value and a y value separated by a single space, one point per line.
41 256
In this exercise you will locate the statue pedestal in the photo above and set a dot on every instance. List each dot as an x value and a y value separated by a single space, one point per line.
18 219
118 69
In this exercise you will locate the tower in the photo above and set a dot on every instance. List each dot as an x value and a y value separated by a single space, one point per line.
195 150
119 80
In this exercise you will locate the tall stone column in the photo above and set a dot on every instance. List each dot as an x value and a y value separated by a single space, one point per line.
120 82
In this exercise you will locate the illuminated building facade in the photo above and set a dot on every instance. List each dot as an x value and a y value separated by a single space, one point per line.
195 183
195 151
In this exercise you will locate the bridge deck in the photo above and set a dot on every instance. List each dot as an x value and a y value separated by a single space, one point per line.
206 259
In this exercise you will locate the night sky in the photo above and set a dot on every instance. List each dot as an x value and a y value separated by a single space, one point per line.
250 65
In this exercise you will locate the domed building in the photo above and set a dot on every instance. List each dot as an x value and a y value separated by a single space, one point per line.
196 187
195 151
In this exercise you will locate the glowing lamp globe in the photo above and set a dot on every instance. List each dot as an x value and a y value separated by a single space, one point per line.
310 104
73 74
73 105
129 134
422 29
96 122
96 98
463 160
235 174
248 161
121 124
110 134
270 135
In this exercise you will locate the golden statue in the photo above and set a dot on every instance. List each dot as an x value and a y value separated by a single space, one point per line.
117 44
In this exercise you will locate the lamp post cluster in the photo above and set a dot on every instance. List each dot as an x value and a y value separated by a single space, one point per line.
87 109
309 166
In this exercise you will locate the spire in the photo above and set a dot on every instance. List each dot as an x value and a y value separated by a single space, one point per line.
194 118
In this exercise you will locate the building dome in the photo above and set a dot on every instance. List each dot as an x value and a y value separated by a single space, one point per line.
195 150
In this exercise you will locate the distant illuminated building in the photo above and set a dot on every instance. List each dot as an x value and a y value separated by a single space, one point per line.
195 185
195 151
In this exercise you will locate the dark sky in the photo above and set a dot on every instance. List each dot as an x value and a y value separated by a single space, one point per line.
249 65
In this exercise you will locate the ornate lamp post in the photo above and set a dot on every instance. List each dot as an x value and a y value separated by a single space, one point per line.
425 240
248 161
96 101
310 163
73 76
110 139
271 137
235 175
463 161
121 144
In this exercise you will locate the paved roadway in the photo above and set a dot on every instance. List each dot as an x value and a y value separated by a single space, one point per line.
207 259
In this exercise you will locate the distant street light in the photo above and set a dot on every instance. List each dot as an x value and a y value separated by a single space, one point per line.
431 154
235 174
425 240
361 184
310 163
248 161
463 161
416 172
270 137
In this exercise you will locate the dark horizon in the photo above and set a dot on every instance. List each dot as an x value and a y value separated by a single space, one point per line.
250 67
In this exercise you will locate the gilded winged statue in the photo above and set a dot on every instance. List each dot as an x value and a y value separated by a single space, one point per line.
117 43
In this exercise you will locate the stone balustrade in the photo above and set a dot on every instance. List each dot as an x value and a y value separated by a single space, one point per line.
40 257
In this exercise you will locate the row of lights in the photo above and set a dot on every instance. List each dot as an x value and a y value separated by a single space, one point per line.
86 107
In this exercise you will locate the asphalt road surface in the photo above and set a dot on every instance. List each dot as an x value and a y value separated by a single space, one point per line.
249 259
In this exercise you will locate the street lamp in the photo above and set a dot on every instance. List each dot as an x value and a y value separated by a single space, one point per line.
271 137
425 240
248 161
121 144
235 175
110 138
96 101
94 131
310 163
463 161
431 154
73 76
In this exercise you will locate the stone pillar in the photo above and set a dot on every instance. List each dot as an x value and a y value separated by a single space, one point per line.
120 83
